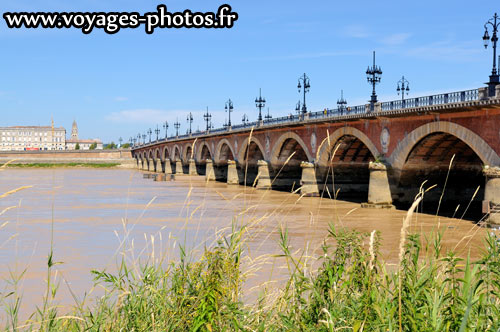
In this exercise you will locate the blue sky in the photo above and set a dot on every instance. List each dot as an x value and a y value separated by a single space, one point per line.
123 84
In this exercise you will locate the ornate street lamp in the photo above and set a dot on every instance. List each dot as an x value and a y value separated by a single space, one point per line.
157 131
165 126
341 103
189 119
304 80
260 103
268 116
403 86
208 119
139 138
229 108
144 138
297 108
177 125
373 75
149 133
494 78
244 119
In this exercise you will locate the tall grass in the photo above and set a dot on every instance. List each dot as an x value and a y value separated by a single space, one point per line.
352 290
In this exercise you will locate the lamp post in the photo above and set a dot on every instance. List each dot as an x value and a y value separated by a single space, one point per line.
494 78
157 131
130 140
149 133
165 126
268 116
260 103
297 108
177 125
139 138
144 138
189 119
208 119
304 85
229 108
373 75
341 103
403 86
120 140
244 119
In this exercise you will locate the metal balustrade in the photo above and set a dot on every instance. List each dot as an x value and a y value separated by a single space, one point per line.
439 99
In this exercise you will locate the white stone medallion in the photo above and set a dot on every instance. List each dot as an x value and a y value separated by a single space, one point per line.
313 142
385 138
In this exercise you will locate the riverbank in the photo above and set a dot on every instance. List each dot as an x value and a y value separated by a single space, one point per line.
121 158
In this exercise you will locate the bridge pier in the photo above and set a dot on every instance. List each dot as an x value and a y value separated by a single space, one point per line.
192 167
492 194
308 181
232 173
264 180
379 192
209 171
157 164
168 166
178 167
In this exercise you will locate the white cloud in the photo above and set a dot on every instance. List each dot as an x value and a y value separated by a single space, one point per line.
395 39
355 31
120 99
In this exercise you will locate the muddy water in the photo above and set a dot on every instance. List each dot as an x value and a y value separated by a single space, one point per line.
94 218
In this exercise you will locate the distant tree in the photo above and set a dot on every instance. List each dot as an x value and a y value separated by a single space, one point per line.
110 146
77 146
93 146
126 146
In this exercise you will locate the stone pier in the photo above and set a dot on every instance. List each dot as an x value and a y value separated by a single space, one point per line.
308 182
157 164
178 167
209 170
379 192
264 181
492 194
168 166
192 167
232 173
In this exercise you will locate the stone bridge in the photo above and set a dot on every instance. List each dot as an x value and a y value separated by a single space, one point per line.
382 157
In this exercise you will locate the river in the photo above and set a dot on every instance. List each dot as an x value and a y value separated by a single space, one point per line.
92 216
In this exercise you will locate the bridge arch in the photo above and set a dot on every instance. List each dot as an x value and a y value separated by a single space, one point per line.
224 151
255 151
165 153
203 152
187 152
176 153
400 154
291 142
328 144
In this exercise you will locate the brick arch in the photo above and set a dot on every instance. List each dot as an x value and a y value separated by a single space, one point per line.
487 155
165 153
281 140
176 149
218 149
200 150
329 143
185 149
244 146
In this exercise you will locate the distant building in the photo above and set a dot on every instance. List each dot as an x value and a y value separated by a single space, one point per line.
83 144
23 138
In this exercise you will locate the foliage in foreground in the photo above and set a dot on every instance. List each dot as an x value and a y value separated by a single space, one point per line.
352 290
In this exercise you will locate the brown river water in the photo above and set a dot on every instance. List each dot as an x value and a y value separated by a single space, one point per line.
99 215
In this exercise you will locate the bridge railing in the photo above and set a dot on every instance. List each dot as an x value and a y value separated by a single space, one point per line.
444 98
439 99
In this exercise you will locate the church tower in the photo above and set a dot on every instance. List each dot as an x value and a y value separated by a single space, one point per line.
74 131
